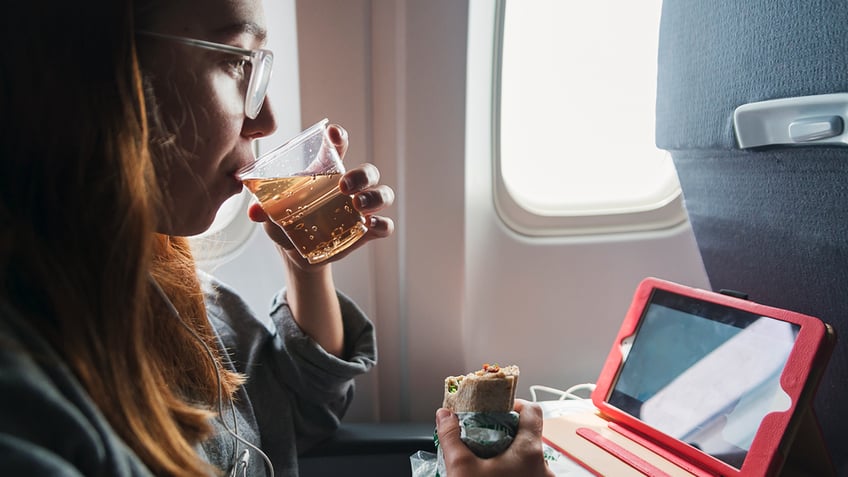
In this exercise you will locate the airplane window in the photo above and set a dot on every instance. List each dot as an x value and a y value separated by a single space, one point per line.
576 109
228 234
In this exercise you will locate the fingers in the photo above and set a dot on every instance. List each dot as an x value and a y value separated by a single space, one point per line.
530 417
256 213
325 161
380 227
526 447
369 198
368 195
338 136
274 231
524 457
455 452
373 200
360 178
529 434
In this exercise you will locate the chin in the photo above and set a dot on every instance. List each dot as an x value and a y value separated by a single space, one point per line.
191 226
202 227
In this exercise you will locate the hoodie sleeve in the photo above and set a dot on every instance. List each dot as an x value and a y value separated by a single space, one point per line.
298 391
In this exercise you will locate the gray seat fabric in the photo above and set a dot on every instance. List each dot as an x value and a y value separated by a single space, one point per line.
771 222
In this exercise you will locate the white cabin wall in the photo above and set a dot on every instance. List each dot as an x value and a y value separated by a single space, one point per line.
551 305
334 50
454 287
391 72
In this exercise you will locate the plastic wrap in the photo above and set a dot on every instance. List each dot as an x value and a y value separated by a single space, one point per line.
487 434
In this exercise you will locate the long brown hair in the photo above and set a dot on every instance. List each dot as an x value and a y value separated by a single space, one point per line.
77 222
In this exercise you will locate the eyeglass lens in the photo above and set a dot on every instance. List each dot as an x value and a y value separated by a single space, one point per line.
262 65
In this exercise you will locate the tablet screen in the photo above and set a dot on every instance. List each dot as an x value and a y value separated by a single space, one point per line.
704 373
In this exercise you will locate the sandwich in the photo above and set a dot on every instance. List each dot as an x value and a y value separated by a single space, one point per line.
490 389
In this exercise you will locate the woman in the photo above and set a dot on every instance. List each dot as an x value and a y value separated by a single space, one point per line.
116 145
121 137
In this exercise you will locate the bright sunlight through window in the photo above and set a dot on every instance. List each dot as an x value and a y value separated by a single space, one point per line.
578 87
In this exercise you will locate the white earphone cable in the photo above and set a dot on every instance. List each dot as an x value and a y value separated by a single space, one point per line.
242 460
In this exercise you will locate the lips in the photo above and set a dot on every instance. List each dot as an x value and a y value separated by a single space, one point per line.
241 166
236 183
237 162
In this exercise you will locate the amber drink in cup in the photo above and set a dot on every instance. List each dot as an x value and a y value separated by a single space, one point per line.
297 185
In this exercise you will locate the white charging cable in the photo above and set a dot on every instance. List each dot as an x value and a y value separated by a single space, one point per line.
563 395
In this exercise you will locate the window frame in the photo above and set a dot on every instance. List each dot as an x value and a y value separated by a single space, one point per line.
664 214
212 249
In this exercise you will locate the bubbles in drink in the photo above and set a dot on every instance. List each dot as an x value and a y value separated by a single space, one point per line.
326 221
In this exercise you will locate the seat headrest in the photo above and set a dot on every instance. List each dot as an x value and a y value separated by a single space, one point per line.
715 55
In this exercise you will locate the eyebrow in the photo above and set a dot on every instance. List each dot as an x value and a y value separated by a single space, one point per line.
259 32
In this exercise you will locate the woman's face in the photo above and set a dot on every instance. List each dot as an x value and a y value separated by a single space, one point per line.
198 97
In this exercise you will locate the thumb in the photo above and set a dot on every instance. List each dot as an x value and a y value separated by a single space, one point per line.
256 213
448 430
338 136
275 232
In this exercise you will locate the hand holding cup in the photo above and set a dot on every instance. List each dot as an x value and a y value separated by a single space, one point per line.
311 207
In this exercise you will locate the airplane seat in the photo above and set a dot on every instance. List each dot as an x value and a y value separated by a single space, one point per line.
369 449
768 206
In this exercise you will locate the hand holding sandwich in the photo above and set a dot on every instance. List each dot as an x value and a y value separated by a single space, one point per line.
522 458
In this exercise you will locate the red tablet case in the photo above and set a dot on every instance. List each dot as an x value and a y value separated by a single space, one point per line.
611 442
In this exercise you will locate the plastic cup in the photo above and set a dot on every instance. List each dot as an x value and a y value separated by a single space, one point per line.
297 185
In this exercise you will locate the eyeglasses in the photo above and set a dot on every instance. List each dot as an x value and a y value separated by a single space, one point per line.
261 63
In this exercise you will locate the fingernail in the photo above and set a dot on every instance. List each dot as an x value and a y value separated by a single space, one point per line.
347 183
336 134
362 199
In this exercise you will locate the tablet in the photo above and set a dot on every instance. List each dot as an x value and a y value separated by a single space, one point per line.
719 380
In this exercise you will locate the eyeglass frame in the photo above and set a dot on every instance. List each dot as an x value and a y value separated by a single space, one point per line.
260 60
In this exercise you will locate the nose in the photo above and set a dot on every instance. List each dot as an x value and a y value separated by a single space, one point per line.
263 125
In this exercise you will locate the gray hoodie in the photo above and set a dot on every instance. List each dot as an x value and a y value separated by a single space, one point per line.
295 394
